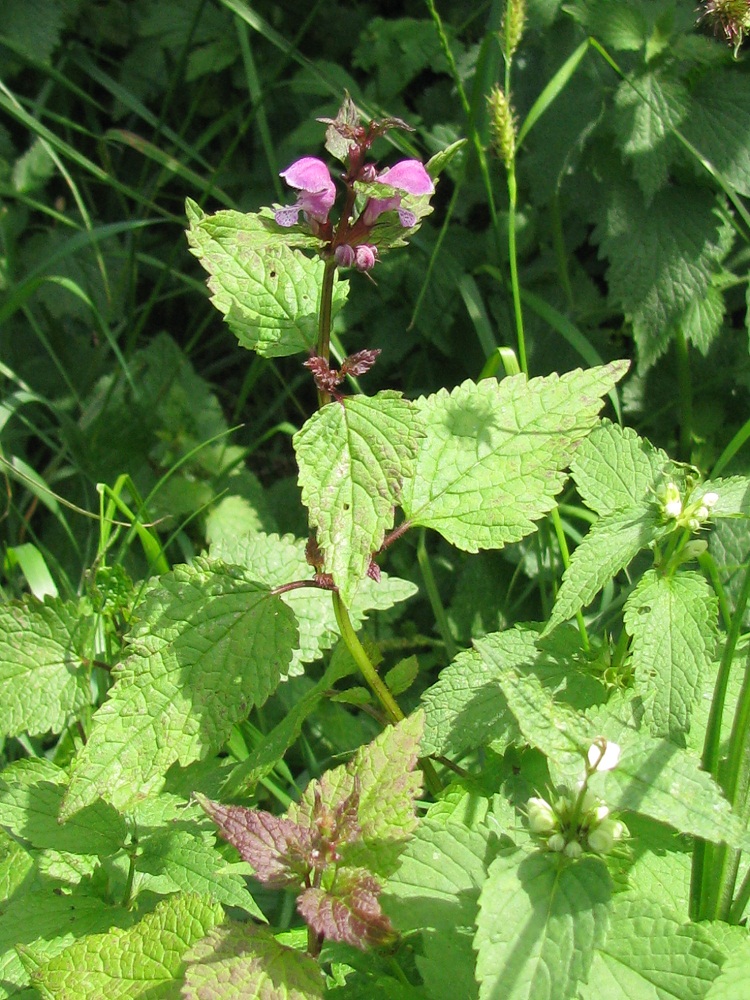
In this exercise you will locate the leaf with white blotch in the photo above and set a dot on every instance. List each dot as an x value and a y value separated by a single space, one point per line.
609 546
658 779
539 923
467 707
276 560
190 863
31 792
267 290
494 455
353 456
615 469
553 727
209 644
672 621
650 954
385 777
239 961
349 911
43 680
146 960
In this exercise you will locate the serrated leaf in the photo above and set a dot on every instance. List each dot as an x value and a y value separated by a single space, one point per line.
609 546
647 110
555 728
146 960
719 125
441 873
267 290
16 864
615 469
353 457
240 961
192 864
43 680
650 955
385 778
31 793
493 457
209 644
702 321
275 560
447 965
539 923
733 496
349 911
672 621
655 278
731 983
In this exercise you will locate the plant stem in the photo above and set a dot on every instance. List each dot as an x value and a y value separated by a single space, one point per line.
685 394
565 556
433 594
514 284
323 347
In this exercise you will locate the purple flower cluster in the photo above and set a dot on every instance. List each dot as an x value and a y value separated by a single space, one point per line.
311 178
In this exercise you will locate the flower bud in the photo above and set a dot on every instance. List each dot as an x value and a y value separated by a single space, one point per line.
344 255
671 501
573 849
603 837
710 499
365 256
542 818
556 843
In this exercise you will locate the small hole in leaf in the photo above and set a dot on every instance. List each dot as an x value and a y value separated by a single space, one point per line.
346 506
272 274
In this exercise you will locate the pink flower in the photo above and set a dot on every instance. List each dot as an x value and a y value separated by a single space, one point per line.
365 256
317 192
408 176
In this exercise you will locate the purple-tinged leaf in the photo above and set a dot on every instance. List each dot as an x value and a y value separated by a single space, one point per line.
279 850
350 912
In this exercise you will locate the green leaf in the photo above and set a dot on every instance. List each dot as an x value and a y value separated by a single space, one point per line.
655 278
31 793
615 469
647 110
672 621
651 955
146 960
275 560
701 323
43 680
34 26
731 983
387 781
539 923
16 863
240 961
353 456
267 290
622 26
609 546
189 863
493 458
719 125
440 876
209 644
734 496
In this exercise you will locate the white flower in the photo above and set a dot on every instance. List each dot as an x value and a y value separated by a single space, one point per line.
672 501
542 818
710 499
603 755
556 842
603 837
573 849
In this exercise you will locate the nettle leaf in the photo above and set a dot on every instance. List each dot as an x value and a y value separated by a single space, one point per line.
702 321
43 652
719 125
615 469
649 954
734 976
31 793
493 457
238 961
539 923
519 667
609 546
349 911
209 644
266 288
276 560
184 862
647 110
657 277
733 496
146 960
384 778
353 456
672 621
657 779
279 849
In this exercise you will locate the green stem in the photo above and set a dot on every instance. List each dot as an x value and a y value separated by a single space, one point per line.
565 556
685 394
512 252
323 347
433 595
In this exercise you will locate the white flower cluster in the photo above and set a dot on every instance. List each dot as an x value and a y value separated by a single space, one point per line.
687 515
